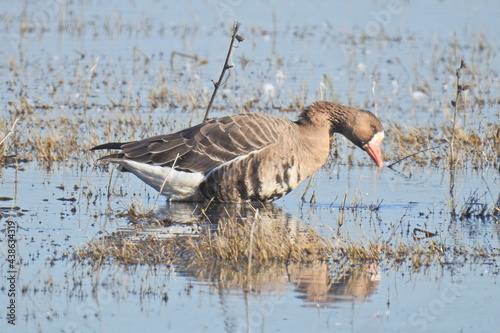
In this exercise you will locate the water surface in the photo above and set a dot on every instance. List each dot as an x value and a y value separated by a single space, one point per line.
395 58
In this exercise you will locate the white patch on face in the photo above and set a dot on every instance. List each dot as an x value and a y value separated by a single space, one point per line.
377 138
373 148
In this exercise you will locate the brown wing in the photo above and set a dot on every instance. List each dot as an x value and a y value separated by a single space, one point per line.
206 146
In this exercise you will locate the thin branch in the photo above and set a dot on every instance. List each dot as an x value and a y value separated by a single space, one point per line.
10 132
165 182
460 89
458 104
200 61
411 155
217 84
426 233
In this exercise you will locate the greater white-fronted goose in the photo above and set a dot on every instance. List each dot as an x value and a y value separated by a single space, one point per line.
246 157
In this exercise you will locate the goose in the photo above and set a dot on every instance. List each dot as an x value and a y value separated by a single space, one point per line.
245 157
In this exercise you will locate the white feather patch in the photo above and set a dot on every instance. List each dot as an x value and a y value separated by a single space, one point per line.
177 185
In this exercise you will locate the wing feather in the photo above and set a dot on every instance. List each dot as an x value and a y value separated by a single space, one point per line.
206 146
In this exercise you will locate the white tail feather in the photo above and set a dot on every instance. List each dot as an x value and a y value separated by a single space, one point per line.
178 185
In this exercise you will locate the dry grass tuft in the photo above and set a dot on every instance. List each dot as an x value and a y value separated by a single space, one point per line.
471 148
150 250
262 240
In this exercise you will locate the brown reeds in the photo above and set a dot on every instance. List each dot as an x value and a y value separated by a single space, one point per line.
261 239
58 137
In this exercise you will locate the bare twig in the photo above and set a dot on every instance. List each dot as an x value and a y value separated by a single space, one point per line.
200 61
235 35
10 132
425 233
165 181
458 104
411 155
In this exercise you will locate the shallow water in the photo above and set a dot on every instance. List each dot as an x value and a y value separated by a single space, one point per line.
303 51
71 296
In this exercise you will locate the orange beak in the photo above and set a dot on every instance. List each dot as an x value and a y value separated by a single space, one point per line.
373 149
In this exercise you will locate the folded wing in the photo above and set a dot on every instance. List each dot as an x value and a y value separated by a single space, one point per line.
206 146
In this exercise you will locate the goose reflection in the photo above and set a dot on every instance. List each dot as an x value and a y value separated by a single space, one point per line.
324 284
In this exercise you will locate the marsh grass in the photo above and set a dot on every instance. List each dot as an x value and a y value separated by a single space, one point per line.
48 140
472 149
104 105
475 206
261 240
150 250
87 101
84 102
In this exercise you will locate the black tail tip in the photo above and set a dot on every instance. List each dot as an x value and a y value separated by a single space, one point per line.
109 145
